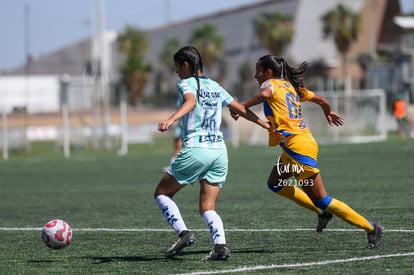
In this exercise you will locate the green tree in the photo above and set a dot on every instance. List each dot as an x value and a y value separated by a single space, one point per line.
343 25
134 71
171 46
164 75
274 31
209 42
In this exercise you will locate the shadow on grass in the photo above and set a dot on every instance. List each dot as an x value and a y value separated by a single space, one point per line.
233 252
244 251
43 261
110 259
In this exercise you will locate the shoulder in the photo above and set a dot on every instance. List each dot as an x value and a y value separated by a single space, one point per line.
209 82
275 84
184 82
305 94
267 84
186 85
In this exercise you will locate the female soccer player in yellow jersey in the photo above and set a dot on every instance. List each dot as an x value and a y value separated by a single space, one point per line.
281 93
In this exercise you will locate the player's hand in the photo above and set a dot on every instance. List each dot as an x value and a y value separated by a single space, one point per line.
234 115
163 126
334 119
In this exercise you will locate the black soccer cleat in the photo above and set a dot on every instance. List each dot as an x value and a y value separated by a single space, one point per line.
220 252
375 236
323 220
186 238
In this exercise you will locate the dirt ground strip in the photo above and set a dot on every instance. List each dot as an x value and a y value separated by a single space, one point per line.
85 118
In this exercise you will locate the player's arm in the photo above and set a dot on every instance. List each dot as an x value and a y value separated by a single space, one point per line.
188 105
256 99
333 118
239 109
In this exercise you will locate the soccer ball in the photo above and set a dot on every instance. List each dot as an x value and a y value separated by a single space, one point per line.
57 234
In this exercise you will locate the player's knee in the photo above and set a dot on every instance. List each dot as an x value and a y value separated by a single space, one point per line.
324 202
274 187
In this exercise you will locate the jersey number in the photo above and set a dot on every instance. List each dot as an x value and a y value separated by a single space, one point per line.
294 110
208 122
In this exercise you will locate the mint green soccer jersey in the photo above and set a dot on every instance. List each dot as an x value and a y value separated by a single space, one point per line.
201 127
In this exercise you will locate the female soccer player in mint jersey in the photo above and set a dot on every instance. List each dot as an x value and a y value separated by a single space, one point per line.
203 156
281 93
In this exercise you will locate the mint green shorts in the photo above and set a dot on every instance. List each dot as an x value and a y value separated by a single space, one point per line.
194 164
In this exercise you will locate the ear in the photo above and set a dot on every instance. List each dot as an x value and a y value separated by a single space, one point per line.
186 65
269 73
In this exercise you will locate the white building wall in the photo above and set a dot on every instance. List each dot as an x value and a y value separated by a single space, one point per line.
41 94
35 93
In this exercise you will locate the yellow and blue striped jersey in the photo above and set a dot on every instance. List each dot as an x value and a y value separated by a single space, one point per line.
283 110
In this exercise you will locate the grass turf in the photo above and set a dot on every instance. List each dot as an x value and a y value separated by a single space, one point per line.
100 190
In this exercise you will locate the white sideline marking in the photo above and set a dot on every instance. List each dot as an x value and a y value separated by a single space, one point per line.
276 266
195 230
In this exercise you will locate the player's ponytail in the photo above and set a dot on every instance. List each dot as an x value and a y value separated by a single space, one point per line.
296 75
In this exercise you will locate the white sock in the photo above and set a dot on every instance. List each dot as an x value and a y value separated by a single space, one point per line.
171 213
215 226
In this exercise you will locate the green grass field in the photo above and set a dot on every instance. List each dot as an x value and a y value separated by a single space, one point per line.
118 228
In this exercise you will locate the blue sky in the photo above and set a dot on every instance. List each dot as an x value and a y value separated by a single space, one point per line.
57 23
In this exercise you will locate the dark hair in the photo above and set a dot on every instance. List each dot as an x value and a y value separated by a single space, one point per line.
280 68
191 55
